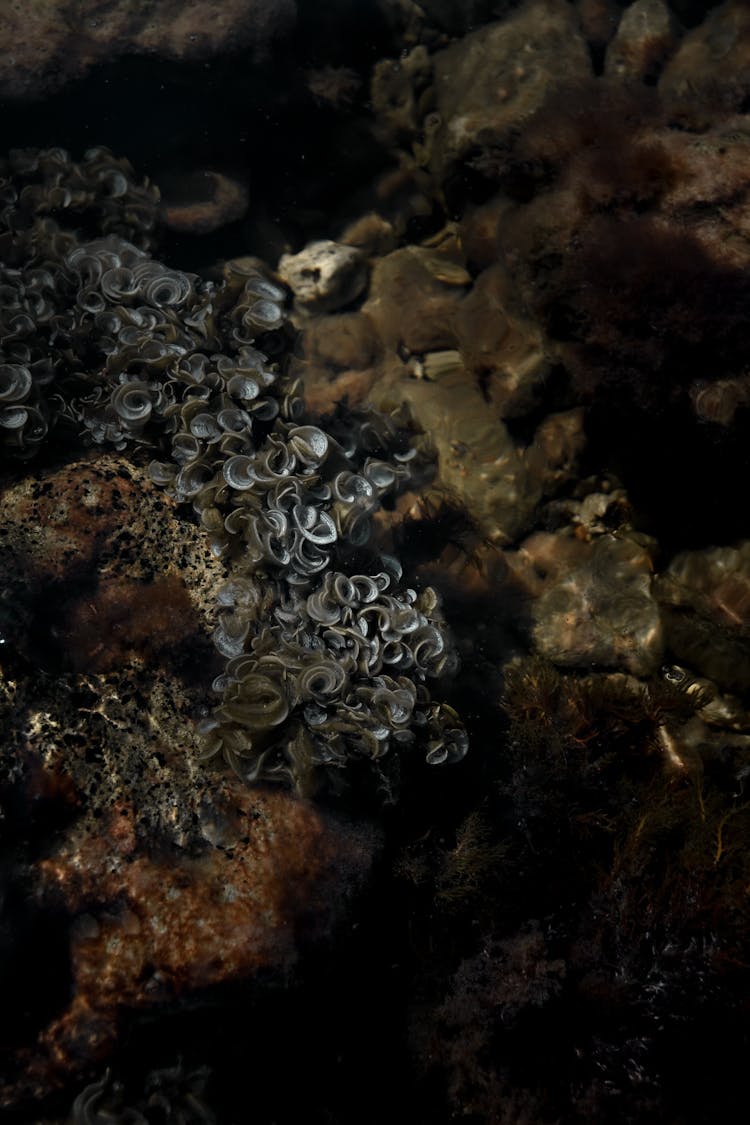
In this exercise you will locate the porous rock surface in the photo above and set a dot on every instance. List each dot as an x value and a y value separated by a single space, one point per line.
165 876
50 42
324 276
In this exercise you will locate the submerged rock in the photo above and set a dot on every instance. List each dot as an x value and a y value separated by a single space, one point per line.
324 276
712 63
647 34
45 54
163 877
488 83
601 612
705 599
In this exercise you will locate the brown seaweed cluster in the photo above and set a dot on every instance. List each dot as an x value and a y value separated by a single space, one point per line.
336 675
98 336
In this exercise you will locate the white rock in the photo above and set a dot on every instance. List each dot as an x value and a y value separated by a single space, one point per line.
325 276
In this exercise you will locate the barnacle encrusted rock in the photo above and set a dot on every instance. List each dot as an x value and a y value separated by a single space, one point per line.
44 53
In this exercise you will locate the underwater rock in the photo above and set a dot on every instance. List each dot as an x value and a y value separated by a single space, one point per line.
711 68
340 354
94 516
622 219
503 348
372 234
163 878
413 299
324 276
488 83
478 461
52 44
705 599
342 341
602 612
647 34
598 19
395 90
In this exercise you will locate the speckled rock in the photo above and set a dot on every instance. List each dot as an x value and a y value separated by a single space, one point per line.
601 612
51 42
647 34
163 875
488 83
324 276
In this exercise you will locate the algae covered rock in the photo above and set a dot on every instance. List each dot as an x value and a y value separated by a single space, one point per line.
45 55
162 878
491 81
705 599
647 34
602 613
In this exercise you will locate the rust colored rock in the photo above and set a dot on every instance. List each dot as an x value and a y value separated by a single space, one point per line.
51 42
146 929
100 569
159 876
